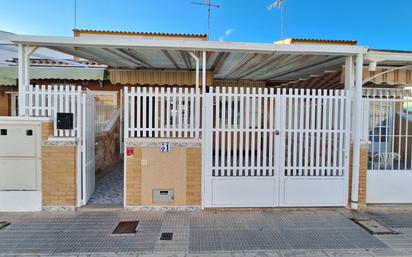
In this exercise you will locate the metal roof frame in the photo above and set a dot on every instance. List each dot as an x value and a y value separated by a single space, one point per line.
190 45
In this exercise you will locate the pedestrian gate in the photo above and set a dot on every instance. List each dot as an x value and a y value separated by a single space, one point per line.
267 147
47 101
88 146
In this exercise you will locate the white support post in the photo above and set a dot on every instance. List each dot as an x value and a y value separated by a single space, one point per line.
349 85
24 53
203 125
356 130
22 88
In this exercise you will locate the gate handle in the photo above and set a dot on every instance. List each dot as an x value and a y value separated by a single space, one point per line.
277 132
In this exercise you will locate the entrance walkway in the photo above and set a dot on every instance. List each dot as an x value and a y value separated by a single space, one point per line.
198 233
109 188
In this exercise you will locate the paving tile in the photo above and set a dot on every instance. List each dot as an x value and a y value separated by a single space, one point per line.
237 233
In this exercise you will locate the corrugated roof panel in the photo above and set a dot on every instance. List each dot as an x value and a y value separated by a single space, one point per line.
156 58
316 41
138 33
233 65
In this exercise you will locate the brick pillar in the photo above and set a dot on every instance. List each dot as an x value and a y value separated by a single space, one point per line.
59 176
134 178
363 169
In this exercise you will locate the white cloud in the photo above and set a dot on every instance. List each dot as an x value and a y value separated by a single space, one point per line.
227 33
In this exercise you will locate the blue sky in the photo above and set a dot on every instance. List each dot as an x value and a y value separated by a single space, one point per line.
375 23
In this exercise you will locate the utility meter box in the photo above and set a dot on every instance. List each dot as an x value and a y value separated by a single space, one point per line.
18 140
64 120
163 195
19 156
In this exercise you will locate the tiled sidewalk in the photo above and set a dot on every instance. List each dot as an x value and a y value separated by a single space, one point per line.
207 233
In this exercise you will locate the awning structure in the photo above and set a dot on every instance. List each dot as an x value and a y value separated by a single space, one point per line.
155 77
227 60
9 74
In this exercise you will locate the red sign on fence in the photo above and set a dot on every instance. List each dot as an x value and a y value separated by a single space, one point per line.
129 151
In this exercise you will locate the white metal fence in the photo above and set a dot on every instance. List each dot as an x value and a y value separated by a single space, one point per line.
47 101
388 128
162 112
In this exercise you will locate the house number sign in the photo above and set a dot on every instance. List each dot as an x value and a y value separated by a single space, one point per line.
165 147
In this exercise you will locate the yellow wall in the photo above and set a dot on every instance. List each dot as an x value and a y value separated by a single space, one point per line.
164 171
59 175
179 169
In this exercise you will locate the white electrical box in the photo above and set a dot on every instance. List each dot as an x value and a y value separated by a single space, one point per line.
19 156
163 195
18 140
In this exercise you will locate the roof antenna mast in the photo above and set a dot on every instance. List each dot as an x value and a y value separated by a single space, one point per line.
75 14
209 5
279 5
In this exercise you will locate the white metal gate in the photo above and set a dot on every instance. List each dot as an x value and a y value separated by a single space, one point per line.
266 147
47 101
88 146
388 127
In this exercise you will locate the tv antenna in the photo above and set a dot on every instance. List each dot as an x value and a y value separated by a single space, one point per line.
209 5
279 5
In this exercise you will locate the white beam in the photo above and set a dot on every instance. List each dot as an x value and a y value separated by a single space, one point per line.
394 56
356 131
193 45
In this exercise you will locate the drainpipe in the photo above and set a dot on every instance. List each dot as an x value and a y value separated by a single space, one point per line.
197 93
356 134
204 73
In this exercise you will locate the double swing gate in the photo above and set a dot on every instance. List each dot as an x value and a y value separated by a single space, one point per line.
275 147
